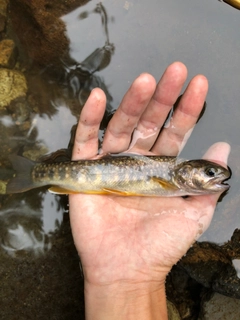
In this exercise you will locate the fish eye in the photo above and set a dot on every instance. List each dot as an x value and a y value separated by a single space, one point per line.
211 172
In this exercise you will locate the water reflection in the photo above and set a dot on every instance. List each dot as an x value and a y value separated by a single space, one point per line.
28 222
31 126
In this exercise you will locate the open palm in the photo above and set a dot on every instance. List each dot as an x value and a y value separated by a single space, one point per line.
138 239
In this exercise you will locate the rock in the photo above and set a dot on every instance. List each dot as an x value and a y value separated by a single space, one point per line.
3 187
173 314
13 85
8 53
206 268
221 307
3 14
35 152
61 7
184 292
40 30
20 111
211 265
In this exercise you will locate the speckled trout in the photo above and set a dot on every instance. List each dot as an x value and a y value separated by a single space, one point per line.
122 175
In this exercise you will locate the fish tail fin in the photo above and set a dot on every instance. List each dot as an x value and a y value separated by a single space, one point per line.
22 179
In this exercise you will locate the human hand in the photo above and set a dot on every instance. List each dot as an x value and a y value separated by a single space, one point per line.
136 240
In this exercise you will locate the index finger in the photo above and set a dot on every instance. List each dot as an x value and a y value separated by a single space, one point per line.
86 138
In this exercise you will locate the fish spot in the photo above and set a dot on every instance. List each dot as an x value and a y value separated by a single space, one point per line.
66 175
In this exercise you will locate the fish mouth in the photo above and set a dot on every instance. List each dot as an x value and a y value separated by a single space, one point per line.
219 183
223 186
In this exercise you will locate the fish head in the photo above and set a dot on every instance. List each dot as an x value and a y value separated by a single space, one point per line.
201 177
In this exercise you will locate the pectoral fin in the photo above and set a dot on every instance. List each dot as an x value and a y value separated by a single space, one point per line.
164 183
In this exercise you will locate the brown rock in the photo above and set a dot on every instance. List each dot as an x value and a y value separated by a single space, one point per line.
61 7
3 14
40 30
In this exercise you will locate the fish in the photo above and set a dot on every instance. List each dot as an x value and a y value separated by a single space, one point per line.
121 175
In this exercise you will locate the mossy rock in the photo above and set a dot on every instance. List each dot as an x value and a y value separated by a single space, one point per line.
13 85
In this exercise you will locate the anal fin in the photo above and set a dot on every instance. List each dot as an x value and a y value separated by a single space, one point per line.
61 190
104 191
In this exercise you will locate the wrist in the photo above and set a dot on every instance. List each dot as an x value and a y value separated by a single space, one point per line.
123 300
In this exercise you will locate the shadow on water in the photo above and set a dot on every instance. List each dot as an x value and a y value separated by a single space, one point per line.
53 53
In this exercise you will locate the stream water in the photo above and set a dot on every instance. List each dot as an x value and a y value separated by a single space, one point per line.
109 46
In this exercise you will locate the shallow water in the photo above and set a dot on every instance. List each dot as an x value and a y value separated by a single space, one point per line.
147 37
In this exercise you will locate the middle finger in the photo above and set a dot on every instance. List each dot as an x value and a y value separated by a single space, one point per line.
120 128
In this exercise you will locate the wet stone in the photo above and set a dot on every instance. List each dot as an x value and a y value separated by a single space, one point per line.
13 85
40 31
221 307
20 111
35 153
206 268
173 313
211 266
8 53
2 187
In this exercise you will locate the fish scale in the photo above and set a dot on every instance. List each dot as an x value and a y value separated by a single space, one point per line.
123 175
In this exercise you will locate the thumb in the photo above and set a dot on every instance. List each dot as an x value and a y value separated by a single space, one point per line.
218 153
